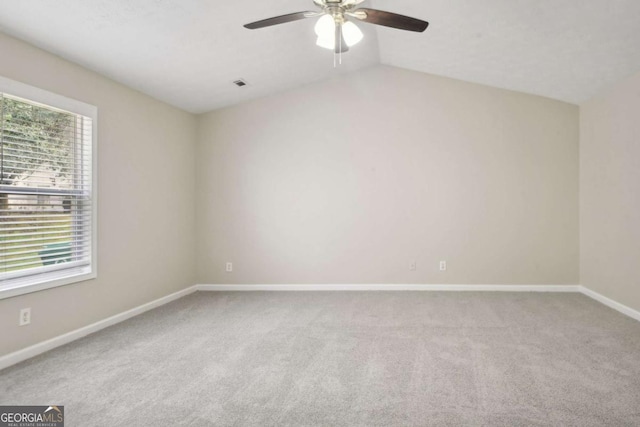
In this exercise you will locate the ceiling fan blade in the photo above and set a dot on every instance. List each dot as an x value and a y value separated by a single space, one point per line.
280 20
341 44
388 19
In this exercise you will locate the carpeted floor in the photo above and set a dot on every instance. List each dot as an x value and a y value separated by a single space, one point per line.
347 358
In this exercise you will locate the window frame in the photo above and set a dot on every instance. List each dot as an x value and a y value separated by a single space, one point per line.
58 278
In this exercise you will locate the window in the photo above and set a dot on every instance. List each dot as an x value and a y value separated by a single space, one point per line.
47 190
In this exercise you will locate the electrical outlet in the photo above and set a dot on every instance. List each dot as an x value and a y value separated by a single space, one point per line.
412 266
229 267
443 265
25 317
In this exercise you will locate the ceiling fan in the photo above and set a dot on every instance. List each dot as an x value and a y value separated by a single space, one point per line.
335 29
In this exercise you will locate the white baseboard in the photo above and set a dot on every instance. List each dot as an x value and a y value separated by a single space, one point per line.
391 287
423 287
34 350
634 314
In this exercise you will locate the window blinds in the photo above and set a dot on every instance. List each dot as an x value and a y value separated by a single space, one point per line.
45 192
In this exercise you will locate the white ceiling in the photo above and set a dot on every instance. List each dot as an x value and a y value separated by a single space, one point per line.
188 52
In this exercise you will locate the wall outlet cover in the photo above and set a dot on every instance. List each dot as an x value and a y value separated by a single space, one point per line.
25 317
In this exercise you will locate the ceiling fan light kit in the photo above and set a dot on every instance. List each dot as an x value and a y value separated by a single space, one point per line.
325 30
335 28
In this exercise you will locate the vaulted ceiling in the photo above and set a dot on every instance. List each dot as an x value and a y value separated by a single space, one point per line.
188 52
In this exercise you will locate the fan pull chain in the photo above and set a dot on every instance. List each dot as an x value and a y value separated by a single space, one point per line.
336 35
337 57
340 44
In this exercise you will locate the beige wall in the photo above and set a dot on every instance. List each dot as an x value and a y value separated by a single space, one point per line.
348 181
610 193
146 236
345 181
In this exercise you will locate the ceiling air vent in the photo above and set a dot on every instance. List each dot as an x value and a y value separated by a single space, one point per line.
240 83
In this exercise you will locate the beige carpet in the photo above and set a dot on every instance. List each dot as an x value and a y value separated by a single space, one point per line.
347 358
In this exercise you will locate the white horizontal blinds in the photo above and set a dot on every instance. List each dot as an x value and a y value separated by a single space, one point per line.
45 189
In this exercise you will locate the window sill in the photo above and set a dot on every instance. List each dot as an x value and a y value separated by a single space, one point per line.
50 280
